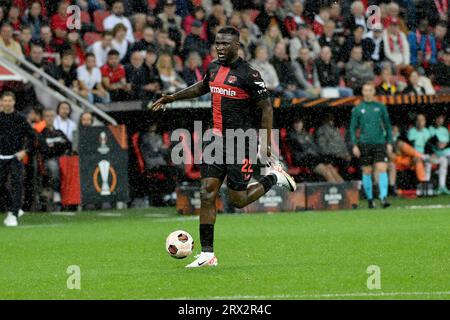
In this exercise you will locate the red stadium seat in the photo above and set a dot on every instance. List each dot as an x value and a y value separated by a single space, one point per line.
140 159
85 17
91 37
99 16
287 155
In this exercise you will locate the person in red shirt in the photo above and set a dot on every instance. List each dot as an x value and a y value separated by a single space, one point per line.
14 19
114 77
59 23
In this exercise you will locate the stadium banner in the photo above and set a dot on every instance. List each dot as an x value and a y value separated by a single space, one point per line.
308 196
103 155
326 196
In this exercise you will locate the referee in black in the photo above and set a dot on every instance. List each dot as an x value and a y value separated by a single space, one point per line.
16 140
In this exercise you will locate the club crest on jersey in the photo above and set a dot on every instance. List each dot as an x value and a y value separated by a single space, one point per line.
231 79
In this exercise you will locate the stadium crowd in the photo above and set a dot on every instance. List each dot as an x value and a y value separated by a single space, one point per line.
137 50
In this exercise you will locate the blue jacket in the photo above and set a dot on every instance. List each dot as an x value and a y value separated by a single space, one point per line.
416 47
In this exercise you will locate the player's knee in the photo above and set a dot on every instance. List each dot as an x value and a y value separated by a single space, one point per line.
207 195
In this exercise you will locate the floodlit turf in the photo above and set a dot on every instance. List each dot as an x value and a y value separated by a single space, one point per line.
313 255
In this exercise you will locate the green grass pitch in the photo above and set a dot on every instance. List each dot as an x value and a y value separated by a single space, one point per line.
303 255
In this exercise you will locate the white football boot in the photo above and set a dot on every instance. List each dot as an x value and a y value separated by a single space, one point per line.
204 259
283 178
11 220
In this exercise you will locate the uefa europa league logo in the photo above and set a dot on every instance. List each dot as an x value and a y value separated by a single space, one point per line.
104 174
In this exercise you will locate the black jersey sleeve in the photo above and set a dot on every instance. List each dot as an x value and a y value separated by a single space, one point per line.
256 86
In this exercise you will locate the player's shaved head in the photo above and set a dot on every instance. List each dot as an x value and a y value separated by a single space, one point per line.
227 45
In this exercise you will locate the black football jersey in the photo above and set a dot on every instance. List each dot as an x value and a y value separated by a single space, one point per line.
234 90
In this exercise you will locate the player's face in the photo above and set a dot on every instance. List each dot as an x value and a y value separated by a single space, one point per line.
368 92
227 47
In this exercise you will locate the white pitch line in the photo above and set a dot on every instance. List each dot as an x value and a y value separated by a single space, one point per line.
156 215
319 295
177 219
63 213
109 214
50 225
431 206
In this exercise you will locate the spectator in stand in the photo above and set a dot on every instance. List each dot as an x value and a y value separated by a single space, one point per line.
283 67
50 54
117 16
248 22
200 15
305 37
357 71
423 46
135 73
101 48
147 41
194 42
164 44
35 19
396 45
58 23
192 72
114 77
215 20
418 81
25 40
420 137
295 18
328 74
52 144
270 15
267 71
414 87
120 42
86 120
305 72
306 153
235 20
7 40
336 16
441 72
14 19
330 39
320 19
271 37
376 35
90 78
75 44
441 37
248 41
153 84
332 145
357 39
171 22
388 86
62 121
171 80
66 72
357 17
393 12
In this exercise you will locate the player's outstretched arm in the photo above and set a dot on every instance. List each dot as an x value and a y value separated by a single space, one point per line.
191 92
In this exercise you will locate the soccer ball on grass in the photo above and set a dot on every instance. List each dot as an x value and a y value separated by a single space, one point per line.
179 244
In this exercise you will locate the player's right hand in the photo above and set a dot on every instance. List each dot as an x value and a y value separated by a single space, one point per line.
356 151
161 102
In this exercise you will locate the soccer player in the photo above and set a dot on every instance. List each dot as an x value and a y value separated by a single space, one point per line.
374 142
16 140
237 90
